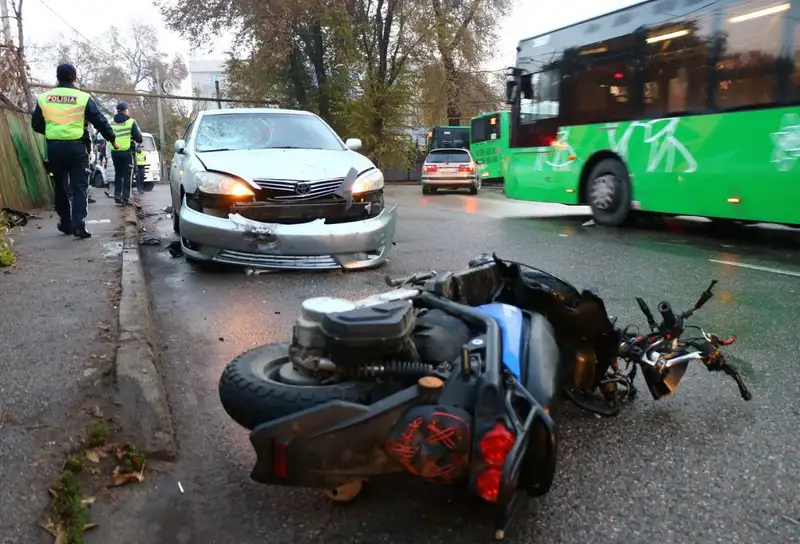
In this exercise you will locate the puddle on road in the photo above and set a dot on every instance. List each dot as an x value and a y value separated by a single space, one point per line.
112 249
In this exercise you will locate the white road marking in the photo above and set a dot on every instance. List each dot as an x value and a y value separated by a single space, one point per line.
756 267
96 221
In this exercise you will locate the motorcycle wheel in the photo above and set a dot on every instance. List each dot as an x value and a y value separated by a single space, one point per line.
251 391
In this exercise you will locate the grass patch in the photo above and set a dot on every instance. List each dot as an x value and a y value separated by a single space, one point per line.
68 515
7 257
69 510
97 436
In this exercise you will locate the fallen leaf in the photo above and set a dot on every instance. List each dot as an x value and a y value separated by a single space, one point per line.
51 528
36 463
89 526
88 501
94 455
126 478
96 412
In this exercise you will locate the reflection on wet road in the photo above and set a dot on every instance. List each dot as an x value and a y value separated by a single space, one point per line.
701 466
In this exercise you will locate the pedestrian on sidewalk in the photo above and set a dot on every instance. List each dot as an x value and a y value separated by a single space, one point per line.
61 115
141 161
126 131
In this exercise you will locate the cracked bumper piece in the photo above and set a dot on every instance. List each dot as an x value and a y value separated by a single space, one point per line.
315 245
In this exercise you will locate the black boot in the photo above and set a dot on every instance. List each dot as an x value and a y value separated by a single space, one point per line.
81 232
64 228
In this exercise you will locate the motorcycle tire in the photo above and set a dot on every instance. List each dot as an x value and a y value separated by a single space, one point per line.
251 395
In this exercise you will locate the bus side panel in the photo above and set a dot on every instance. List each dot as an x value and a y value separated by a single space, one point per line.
531 176
737 165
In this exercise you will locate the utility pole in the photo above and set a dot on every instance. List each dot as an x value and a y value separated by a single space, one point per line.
162 152
6 21
216 86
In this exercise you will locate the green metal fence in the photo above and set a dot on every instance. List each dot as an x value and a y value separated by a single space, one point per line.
24 182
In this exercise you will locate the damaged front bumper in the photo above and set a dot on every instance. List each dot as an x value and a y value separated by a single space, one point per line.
314 245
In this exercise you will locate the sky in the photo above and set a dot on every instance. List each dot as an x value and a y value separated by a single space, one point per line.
47 20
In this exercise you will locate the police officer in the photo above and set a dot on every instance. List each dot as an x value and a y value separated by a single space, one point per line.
125 130
141 161
61 115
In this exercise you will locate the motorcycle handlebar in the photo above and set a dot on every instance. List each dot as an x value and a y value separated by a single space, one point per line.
670 322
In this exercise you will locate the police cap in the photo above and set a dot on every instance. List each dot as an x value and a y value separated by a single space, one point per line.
122 106
66 73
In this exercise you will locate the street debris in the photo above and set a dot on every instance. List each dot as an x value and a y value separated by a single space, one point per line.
16 218
180 487
149 241
589 223
174 249
256 271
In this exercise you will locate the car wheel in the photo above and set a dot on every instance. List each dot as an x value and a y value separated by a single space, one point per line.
176 221
425 190
476 187
148 186
609 193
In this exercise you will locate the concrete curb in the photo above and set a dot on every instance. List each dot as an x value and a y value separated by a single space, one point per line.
145 415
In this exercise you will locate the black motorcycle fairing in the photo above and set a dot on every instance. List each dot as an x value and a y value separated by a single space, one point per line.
439 336
542 371
579 318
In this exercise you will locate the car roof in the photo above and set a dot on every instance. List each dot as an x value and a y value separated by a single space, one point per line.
241 111
449 150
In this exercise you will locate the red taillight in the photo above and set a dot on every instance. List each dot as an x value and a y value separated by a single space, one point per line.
279 464
430 168
496 444
466 168
488 484
494 447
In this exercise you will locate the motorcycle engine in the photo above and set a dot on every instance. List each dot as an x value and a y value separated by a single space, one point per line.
336 333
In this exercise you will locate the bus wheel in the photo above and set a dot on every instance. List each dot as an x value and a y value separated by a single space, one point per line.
609 193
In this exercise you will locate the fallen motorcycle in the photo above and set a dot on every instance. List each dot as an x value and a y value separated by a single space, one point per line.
450 377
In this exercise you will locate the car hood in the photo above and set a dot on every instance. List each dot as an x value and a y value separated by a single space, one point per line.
287 164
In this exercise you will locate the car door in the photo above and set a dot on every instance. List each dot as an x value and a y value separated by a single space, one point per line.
176 168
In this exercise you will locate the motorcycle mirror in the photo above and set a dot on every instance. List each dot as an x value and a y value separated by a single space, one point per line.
705 296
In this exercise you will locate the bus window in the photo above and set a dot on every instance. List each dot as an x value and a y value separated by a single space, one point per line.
538 116
676 73
485 128
747 64
602 92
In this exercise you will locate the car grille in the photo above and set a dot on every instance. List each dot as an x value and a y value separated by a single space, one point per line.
296 262
279 189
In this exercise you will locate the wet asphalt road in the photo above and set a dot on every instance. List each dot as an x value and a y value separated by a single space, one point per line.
702 466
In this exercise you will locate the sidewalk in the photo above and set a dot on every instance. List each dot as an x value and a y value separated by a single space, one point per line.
58 333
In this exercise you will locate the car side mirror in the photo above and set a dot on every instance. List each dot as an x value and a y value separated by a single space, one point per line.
353 144
180 147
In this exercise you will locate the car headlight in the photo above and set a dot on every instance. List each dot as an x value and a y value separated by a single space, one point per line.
221 184
368 181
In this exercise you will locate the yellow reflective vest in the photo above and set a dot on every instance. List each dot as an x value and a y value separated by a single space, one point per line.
122 132
64 112
141 158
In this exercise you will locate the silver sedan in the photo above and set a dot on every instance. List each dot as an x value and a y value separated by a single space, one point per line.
270 188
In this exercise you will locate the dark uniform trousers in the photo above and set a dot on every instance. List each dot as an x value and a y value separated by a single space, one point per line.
67 161
123 174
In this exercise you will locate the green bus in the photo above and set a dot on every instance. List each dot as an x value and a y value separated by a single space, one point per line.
488 143
678 107
445 136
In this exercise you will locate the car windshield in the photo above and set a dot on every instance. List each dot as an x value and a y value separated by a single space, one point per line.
148 144
449 155
238 131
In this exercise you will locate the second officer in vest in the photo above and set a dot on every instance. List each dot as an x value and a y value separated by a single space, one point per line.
126 131
61 115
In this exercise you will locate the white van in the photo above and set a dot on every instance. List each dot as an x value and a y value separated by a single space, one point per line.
152 170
